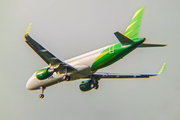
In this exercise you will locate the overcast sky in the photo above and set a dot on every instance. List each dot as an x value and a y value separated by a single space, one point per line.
68 28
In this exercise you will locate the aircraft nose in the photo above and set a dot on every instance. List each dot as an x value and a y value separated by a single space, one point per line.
29 85
32 84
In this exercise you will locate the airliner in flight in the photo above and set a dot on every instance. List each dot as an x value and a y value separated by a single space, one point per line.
86 66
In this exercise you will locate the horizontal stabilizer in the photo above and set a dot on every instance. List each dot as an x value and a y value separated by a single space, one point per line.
152 45
123 39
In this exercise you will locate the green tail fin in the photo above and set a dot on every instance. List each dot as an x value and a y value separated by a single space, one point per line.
133 29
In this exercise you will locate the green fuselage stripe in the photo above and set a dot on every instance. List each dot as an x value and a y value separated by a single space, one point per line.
112 54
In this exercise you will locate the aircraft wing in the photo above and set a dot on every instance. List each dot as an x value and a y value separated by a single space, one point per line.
49 58
110 75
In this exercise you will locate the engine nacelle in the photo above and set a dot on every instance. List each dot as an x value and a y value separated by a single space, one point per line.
44 73
85 85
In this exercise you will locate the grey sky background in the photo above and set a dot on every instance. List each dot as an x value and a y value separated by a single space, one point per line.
68 28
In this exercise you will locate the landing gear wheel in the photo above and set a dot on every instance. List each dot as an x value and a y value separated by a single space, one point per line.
95 83
96 87
41 96
92 85
66 77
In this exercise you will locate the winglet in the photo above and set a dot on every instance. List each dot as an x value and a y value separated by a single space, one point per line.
28 29
162 69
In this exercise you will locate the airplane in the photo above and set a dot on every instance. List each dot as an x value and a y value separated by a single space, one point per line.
86 66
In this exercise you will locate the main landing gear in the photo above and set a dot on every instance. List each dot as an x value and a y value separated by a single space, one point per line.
66 77
95 83
41 96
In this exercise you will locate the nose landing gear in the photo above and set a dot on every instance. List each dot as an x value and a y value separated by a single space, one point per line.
41 96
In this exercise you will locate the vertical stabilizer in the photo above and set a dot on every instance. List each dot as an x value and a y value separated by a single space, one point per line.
133 29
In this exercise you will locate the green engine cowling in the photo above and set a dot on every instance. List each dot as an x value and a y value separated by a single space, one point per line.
44 73
85 85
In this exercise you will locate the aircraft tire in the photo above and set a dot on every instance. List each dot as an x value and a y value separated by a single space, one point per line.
96 87
66 77
92 85
41 96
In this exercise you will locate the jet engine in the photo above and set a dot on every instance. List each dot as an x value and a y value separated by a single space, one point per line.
86 85
44 73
